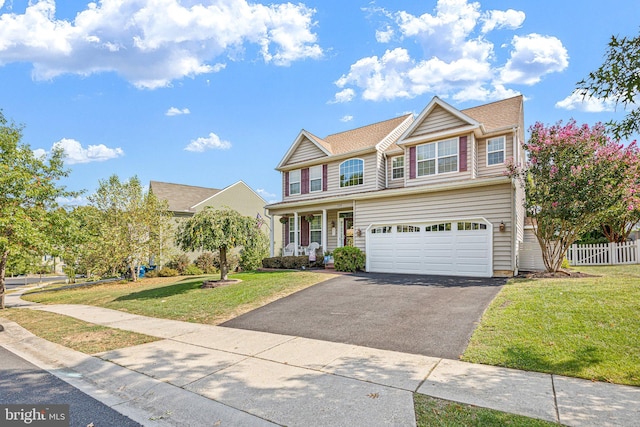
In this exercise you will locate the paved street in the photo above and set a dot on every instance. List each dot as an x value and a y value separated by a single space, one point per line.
14 282
24 383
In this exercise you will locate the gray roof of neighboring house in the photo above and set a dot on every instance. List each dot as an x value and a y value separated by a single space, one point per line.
181 198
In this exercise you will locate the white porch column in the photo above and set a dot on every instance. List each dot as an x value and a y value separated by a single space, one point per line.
271 238
324 231
295 233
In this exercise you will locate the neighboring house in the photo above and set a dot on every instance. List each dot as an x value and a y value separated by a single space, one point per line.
423 195
185 200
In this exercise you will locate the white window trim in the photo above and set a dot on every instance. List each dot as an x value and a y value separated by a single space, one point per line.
504 151
363 173
437 157
316 229
403 167
313 179
291 227
299 182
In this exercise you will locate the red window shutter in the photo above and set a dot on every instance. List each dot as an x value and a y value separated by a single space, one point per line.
304 232
304 177
463 153
286 233
412 162
286 184
324 177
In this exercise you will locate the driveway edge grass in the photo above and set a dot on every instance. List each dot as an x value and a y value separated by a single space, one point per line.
577 327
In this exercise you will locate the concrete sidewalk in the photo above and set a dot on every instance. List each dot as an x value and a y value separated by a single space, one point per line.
207 373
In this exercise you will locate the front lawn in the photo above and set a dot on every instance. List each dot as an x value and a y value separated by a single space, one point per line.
182 299
579 327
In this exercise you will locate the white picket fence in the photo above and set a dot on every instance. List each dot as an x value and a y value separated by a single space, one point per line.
604 254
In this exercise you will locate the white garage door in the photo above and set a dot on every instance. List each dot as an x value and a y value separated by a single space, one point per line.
460 248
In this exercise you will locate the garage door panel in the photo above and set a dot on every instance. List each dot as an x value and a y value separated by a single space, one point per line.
453 252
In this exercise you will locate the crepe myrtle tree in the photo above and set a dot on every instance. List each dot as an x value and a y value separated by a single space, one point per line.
217 230
574 177
29 187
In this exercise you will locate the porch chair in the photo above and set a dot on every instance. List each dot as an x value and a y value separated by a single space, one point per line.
311 250
289 249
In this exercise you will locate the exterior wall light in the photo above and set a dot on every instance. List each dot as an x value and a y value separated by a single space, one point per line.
502 227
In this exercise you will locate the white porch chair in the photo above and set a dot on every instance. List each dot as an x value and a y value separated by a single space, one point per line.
288 250
311 250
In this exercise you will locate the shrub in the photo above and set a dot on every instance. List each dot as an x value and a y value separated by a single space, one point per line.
192 270
167 272
565 264
274 262
348 258
151 274
254 252
206 263
179 263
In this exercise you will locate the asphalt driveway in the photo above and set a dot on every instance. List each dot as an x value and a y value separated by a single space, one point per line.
429 315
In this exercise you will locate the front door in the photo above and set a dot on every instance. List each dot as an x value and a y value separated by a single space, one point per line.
347 228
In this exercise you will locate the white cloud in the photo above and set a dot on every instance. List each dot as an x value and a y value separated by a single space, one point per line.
532 57
575 101
458 58
1 3
40 153
510 19
269 197
76 153
173 111
152 42
212 142
72 201
384 36
345 95
346 118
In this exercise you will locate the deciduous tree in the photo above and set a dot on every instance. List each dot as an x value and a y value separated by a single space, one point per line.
217 230
618 80
574 177
29 187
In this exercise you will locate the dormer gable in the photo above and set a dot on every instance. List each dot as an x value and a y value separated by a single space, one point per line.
306 146
436 119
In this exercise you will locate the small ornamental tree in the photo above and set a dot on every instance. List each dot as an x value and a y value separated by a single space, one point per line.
574 177
217 230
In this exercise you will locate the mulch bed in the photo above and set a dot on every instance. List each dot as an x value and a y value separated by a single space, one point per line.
212 284
560 274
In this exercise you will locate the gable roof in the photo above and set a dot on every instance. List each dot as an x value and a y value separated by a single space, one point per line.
181 198
348 141
498 114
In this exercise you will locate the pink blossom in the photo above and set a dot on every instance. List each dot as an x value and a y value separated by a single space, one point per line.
554 204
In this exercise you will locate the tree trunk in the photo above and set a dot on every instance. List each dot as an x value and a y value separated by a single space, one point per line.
3 266
223 264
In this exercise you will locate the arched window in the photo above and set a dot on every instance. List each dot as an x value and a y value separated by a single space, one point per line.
352 172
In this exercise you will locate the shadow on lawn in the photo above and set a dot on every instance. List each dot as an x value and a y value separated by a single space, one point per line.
180 287
575 366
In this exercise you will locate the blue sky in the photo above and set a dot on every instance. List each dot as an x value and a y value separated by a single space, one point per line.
209 92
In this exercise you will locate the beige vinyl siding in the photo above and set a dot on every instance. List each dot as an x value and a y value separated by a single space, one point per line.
473 166
493 203
333 179
381 171
438 120
530 254
450 176
396 183
306 150
483 169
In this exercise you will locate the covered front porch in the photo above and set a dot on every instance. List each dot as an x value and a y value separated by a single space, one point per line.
307 229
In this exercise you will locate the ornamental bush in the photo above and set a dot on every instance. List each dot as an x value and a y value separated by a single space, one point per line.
348 258
192 270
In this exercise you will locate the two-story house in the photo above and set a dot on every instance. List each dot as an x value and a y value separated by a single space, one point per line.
420 195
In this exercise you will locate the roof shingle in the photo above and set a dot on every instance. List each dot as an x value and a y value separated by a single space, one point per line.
181 198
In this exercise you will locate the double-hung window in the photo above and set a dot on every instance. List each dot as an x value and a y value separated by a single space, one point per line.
315 178
315 229
397 167
495 151
294 182
437 157
292 230
351 172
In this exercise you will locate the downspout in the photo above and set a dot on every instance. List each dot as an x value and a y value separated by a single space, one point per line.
386 171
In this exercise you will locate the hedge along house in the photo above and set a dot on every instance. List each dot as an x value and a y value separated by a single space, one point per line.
186 200
420 195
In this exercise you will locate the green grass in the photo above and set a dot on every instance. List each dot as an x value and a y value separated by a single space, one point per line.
182 298
580 327
435 412
73 333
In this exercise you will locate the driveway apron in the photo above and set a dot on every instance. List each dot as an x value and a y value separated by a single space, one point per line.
428 315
